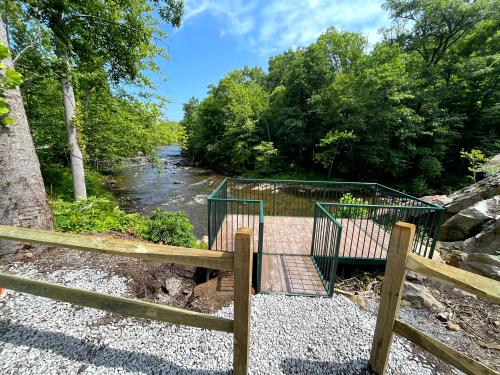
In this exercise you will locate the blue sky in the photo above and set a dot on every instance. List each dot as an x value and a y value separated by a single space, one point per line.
218 36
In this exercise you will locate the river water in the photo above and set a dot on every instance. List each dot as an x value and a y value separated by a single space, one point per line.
172 187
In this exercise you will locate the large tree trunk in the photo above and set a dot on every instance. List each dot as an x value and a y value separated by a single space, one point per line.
69 102
23 201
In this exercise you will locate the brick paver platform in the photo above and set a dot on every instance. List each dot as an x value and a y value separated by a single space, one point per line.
286 263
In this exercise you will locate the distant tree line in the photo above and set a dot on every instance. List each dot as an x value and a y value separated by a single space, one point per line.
399 112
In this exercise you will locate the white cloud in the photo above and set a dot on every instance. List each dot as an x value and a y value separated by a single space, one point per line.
270 26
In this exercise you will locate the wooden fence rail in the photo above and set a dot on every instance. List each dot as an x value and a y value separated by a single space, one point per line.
399 260
240 262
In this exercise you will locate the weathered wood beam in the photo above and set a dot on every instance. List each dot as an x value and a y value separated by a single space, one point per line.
442 351
470 282
153 252
115 304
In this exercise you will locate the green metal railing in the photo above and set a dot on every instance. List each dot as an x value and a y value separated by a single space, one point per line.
325 246
343 232
226 215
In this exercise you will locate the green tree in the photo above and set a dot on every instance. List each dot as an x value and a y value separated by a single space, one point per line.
97 34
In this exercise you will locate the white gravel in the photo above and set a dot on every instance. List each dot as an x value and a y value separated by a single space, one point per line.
290 335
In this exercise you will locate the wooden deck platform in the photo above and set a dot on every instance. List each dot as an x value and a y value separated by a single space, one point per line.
286 263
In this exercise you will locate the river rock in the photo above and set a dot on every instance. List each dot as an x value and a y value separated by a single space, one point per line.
483 264
420 296
464 223
468 196
487 241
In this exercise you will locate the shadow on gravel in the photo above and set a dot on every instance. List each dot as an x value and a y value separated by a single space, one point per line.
305 366
86 352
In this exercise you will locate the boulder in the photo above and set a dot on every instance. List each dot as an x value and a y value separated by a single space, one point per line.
420 296
492 166
487 241
466 222
468 196
439 200
483 264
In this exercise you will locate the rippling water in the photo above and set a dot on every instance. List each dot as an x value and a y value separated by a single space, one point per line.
175 187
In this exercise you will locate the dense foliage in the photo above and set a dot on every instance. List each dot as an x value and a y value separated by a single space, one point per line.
398 112
111 47
99 215
170 228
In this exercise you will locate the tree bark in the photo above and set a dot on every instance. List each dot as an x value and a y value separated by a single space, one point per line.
69 103
23 201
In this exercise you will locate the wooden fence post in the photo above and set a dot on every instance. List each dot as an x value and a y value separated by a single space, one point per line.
243 253
392 289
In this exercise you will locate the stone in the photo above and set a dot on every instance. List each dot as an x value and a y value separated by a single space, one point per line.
439 200
413 276
492 166
444 316
483 264
487 241
173 286
420 296
462 225
470 195
453 326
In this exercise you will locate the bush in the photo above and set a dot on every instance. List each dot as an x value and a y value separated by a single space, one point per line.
96 215
350 211
171 228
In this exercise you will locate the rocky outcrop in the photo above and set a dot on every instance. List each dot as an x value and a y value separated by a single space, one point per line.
481 190
484 264
467 222
419 296
440 200
487 241
470 237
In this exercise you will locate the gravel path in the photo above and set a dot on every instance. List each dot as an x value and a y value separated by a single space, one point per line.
290 335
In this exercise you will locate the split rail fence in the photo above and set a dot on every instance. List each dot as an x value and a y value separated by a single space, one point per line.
400 259
240 262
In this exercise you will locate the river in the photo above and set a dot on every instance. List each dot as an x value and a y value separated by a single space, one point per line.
173 187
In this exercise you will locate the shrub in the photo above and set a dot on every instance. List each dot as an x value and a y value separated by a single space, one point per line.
171 228
350 211
95 215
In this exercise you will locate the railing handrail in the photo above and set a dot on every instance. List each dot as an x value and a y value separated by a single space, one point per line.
302 182
236 200
409 196
437 208
224 181
128 248
399 260
240 262
330 216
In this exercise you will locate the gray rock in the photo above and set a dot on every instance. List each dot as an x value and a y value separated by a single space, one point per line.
481 190
483 264
487 241
440 200
492 166
460 226
420 296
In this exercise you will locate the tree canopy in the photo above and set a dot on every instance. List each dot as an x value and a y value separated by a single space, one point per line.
399 111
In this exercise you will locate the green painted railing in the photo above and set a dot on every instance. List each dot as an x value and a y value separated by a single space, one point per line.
247 201
325 246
